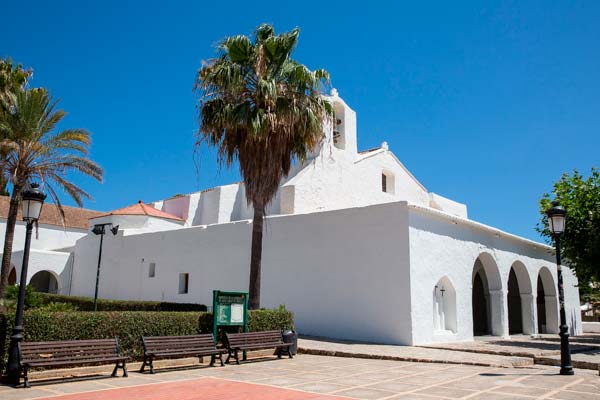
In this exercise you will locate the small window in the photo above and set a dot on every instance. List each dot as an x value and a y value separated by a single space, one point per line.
387 182
184 281
152 270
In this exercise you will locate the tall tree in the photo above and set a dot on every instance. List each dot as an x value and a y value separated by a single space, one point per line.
13 78
580 242
263 109
35 151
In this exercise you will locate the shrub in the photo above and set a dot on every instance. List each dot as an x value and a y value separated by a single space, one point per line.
33 299
87 304
53 306
258 320
129 326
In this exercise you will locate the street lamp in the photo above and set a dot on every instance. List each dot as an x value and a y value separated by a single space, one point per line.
32 200
100 229
557 216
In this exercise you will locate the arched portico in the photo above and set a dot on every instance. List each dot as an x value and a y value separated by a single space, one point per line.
519 298
546 302
487 297
45 282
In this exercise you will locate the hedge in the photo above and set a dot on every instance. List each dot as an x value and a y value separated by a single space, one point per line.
129 326
87 304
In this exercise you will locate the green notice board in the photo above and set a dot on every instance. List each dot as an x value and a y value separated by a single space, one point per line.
229 309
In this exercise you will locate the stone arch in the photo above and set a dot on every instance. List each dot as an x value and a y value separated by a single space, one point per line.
519 300
12 276
44 281
486 297
546 302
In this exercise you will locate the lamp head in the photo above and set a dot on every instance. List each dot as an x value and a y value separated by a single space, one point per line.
98 229
557 216
33 200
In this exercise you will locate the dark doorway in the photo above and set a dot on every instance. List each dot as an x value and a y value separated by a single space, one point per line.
515 312
12 277
541 306
44 282
480 307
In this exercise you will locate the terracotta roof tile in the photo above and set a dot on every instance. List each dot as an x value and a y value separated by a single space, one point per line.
75 217
141 209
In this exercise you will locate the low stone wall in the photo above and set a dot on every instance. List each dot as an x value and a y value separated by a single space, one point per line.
591 327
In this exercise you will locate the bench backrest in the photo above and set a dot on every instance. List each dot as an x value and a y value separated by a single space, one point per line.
69 350
254 338
175 343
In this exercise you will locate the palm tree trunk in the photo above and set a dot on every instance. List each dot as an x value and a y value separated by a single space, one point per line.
256 256
8 238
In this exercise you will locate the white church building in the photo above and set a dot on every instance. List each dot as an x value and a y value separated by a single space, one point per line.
354 245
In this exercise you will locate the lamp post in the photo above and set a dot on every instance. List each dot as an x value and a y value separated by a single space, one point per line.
32 201
557 216
100 229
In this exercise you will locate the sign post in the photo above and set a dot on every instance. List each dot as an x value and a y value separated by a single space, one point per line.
230 309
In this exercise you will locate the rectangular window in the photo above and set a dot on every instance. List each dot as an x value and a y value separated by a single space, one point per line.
184 281
152 270
384 183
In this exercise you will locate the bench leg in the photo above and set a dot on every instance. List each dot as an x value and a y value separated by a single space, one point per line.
279 349
144 363
25 379
120 365
147 363
212 360
237 357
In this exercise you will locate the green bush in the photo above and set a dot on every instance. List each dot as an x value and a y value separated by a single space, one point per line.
258 320
87 304
33 299
129 326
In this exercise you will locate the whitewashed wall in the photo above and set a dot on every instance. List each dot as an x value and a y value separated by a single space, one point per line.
444 246
55 262
344 273
51 237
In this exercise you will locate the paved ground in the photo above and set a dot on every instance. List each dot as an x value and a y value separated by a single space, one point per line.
308 377
544 350
328 347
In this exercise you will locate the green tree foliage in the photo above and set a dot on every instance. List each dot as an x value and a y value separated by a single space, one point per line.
263 109
13 78
580 242
33 149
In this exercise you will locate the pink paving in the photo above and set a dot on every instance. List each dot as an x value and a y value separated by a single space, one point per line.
196 389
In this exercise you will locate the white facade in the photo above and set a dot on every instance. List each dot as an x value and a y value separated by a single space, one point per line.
354 245
49 255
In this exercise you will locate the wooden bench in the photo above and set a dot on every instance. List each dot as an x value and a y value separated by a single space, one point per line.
70 353
179 347
237 342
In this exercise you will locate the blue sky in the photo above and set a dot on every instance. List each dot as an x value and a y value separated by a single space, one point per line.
485 104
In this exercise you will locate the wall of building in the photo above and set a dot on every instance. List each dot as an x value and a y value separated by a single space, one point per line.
50 236
443 246
344 273
55 262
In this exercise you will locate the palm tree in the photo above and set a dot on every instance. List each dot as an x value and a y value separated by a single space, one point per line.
13 78
265 110
34 151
